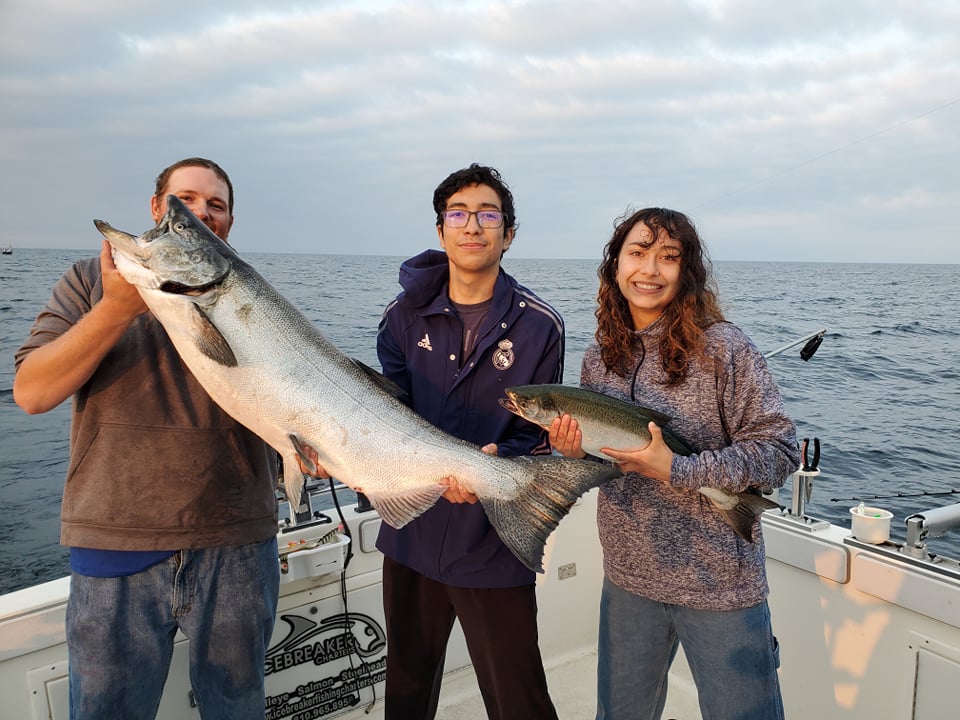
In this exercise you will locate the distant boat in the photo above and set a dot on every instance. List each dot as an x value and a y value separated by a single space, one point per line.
6 250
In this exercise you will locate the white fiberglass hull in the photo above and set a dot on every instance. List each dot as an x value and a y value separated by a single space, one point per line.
864 632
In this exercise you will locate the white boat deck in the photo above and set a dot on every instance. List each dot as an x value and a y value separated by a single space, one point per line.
572 690
866 633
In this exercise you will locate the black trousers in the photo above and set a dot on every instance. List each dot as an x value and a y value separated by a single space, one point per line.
500 627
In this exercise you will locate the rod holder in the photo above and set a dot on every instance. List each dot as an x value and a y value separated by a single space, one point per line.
929 523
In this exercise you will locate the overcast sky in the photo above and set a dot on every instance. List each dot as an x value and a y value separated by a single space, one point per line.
809 130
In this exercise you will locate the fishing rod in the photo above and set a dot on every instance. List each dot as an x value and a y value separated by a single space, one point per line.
803 477
812 341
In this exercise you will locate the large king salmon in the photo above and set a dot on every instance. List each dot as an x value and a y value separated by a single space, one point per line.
272 370
606 422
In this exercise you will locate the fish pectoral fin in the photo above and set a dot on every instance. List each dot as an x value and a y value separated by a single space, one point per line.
209 340
381 380
301 450
293 481
647 414
397 510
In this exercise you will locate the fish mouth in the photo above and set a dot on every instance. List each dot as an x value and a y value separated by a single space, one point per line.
174 288
180 256
509 404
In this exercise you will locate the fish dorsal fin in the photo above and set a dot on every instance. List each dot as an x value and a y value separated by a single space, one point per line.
659 418
381 380
605 400
209 340
678 445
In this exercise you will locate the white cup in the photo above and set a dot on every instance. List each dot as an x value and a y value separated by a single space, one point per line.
870 524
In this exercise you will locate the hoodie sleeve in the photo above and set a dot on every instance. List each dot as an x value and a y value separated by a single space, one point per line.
393 362
78 290
762 450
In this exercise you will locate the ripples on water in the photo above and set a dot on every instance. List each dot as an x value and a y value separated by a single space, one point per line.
882 393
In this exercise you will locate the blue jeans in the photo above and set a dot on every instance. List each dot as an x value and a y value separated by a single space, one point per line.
120 633
733 657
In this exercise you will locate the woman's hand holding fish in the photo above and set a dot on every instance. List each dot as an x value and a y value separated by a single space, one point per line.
653 461
566 437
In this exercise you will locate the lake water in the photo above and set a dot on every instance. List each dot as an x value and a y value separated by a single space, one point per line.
882 393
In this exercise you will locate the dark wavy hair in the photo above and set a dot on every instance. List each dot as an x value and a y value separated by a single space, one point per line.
475 175
164 177
694 308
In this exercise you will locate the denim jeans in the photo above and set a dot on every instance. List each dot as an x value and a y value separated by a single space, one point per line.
732 654
120 633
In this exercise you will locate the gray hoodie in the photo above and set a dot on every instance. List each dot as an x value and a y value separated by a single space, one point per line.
666 541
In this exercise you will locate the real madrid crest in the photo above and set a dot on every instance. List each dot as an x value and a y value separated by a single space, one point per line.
503 356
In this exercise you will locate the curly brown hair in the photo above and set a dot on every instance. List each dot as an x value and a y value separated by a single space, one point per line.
694 308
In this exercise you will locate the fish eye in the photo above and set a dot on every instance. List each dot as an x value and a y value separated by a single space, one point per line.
179 227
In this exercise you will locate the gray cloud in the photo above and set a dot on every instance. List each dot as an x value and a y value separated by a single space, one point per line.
795 131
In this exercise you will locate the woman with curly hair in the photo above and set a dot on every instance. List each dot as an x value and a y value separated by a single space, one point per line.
674 572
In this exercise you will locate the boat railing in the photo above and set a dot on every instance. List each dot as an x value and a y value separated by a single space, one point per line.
920 526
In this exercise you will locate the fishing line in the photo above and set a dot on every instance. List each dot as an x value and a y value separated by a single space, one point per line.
835 150
343 524
923 493
347 633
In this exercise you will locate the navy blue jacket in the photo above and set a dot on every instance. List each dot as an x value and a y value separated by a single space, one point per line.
419 342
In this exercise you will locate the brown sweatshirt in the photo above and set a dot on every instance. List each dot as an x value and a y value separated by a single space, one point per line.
154 463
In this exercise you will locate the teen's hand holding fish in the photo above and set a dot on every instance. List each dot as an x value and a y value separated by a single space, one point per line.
455 492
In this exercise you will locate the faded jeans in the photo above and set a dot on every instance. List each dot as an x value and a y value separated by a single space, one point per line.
120 633
732 655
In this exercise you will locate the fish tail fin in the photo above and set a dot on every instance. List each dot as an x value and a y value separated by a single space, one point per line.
741 517
551 486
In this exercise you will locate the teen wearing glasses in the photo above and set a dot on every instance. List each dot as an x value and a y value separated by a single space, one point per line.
460 332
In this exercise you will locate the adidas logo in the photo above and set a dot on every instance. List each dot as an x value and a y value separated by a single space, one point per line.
425 343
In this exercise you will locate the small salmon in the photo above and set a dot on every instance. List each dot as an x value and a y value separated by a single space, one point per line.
607 422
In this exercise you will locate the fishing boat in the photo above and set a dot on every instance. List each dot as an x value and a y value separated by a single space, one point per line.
868 628
6 250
